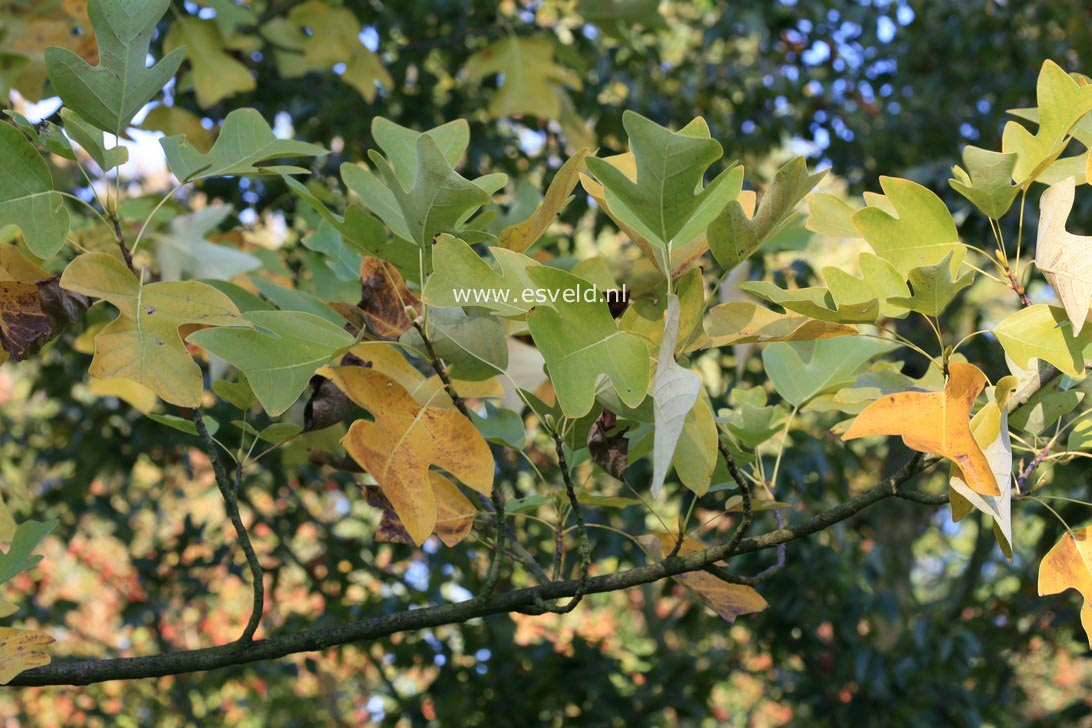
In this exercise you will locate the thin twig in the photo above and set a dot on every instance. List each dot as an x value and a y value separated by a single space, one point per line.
582 530
229 489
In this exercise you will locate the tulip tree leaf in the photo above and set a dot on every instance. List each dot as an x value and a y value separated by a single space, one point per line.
184 251
34 309
816 302
580 343
733 236
666 203
244 143
1064 258
933 287
20 650
1043 332
919 232
729 601
935 422
472 341
110 94
216 74
27 197
990 427
987 180
280 355
675 389
803 370
521 236
405 440
1068 565
461 277
879 282
438 200
532 79
144 344
741 322
1062 102
91 139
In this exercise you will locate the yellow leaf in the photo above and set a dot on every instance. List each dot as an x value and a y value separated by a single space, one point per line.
216 74
727 600
136 395
521 236
935 422
454 514
143 344
747 323
405 440
1068 565
21 649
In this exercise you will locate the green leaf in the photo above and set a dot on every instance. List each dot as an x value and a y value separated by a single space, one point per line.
143 343
183 252
244 142
1046 407
110 94
399 144
182 424
280 356
360 229
987 181
289 299
581 342
816 302
675 389
92 141
801 371
279 432
342 260
461 277
27 197
879 282
19 556
750 419
830 215
532 80
920 232
237 394
471 340
696 453
501 426
733 237
1080 439
49 136
439 199
667 203
1044 332
933 287
1062 102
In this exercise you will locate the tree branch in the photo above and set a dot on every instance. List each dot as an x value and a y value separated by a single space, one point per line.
85 672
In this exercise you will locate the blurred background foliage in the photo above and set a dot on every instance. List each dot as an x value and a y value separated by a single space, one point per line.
896 615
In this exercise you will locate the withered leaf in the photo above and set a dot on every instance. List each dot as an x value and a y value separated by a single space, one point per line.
608 445
384 298
34 309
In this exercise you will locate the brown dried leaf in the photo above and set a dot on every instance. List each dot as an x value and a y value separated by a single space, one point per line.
384 298
34 309
609 450
727 600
